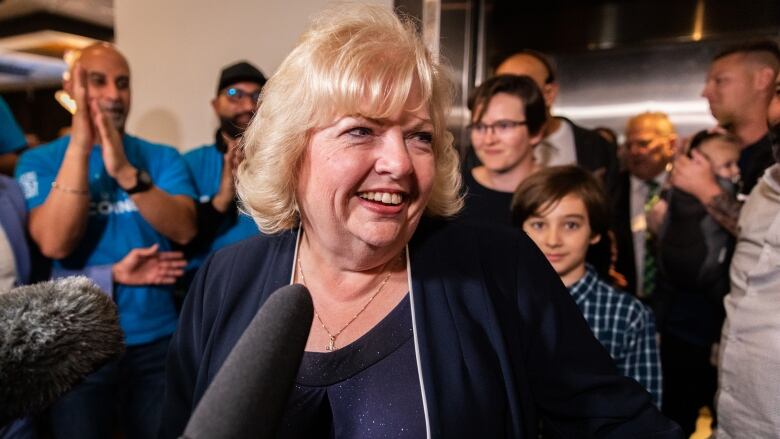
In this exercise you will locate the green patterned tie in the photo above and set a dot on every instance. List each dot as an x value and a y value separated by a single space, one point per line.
648 280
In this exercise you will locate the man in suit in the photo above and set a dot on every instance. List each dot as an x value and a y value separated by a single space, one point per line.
650 140
564 142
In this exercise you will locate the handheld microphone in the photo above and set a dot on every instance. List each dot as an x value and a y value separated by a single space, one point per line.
52 334
249 394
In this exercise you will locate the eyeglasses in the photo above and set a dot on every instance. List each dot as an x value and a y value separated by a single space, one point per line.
499 127
236 94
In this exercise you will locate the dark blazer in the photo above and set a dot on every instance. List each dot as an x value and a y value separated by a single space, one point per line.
501 343
621 226
596 154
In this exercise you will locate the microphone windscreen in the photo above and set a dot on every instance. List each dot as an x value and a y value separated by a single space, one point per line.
53 334
249 394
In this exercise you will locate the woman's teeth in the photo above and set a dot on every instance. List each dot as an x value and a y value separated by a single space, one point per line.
382 197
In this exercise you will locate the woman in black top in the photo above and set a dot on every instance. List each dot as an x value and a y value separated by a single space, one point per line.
423 327
508 114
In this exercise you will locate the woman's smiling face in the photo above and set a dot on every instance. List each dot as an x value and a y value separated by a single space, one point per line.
367 181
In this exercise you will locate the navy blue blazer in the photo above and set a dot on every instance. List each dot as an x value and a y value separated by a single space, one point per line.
501 343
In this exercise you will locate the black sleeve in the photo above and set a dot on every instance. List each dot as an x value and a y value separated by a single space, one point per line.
576 387
209 221
611 166
185 354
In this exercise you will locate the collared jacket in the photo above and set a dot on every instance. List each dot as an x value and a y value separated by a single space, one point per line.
500 342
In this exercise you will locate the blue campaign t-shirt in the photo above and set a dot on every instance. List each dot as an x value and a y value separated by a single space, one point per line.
11 136
205 165
114 225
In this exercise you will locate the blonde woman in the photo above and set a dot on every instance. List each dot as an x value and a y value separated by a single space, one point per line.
422 328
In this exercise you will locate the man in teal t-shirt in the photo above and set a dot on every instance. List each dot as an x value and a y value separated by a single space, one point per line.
93 197
212 166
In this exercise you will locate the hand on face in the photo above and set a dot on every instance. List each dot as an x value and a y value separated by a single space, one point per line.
694 175
96 122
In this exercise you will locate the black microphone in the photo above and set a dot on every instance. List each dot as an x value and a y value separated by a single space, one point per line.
52 334
249 394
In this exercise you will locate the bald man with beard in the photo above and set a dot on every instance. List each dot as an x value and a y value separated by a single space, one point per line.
93 197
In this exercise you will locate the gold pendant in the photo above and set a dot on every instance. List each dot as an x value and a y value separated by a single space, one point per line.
331 344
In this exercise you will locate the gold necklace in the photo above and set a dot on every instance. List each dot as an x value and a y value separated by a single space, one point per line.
332 337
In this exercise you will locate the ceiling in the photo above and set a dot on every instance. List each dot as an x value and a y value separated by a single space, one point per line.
35 34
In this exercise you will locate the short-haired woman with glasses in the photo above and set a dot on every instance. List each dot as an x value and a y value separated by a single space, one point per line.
507 120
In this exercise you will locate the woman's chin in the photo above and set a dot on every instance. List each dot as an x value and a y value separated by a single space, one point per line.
382 235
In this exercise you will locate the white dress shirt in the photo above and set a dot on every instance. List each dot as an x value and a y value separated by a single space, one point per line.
557 149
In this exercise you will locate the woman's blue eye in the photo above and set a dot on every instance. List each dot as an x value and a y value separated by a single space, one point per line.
360 131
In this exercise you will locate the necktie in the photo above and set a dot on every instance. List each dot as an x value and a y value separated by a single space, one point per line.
648 279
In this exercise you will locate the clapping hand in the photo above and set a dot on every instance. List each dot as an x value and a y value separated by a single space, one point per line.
82 131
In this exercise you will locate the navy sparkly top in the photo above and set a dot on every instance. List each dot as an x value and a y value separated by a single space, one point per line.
368 389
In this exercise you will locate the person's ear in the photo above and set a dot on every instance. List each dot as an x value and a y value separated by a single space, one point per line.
764 79
672 145
595 239
550 92
536 138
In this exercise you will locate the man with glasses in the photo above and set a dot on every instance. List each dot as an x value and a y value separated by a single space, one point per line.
564 142
650 146
213 166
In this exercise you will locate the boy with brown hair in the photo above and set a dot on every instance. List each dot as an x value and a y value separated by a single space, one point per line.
564 211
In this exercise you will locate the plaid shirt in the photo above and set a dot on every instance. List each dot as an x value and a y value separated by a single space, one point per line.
625 327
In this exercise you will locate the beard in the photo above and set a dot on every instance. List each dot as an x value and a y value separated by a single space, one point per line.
117 113
234 126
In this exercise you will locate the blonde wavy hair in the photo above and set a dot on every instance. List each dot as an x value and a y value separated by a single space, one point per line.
353 57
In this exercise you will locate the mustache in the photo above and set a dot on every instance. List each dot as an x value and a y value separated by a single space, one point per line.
113 107
247 114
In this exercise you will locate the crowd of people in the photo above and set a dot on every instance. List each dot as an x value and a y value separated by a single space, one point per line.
547 282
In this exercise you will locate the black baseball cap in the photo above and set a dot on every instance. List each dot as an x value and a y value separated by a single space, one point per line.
240 72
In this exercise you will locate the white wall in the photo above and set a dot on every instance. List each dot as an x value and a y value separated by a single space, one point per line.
176 49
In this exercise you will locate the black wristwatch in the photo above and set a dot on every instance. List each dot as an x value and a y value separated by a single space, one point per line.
143 182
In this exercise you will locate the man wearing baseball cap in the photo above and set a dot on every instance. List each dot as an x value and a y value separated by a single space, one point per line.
212 166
